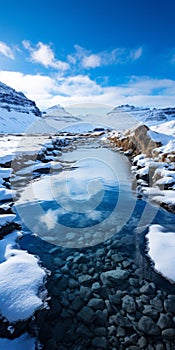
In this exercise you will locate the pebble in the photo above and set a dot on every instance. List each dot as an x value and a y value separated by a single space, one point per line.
116 276
146 325
86 314
128 304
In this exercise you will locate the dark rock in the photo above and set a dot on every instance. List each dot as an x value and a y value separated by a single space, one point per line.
164 321
85 293
112 330
147 326
142 343
58 262
157 304
101 318
100 331
100 342
128 304
86 280
77 304
72 284
121 332
150 311
83 331
96 304
169 305
169 333
96 287
86 314
148 288
114 277
116 299
120 320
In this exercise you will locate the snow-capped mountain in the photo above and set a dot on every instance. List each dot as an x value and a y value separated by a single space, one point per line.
17 112
57 111
147 116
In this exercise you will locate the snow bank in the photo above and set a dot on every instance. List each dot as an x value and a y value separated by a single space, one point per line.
158 137
20 280
161 249
24 342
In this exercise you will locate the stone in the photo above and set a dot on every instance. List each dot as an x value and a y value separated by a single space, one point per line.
169 305
148 288
164 321
83 331
96 304
81 258
101 318
150 311
120 320
100 342
112 330
168 333
86 314
86 280
121 332
76 304
116 299
58 262
72 283
157 304
117 258
96 287
85 293
142 343
128 304
147 326
100 331
115 277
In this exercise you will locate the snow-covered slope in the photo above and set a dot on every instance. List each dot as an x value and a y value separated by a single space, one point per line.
17 112
145 115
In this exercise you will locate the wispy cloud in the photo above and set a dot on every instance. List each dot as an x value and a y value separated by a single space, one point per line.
136 54
87 59
43 54
5 50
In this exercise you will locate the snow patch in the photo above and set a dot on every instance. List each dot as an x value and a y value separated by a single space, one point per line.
20 280
161 249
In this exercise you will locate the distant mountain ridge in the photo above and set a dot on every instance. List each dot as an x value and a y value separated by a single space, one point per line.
145 115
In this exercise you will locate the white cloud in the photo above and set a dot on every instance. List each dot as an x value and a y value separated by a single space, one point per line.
87 59
44 55
5 50
136 54
91 61
81 89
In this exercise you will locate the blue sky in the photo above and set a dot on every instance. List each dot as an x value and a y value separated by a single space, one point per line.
73 51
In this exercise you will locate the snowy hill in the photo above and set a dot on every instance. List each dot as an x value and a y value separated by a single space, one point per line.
146 116
57 111
17 112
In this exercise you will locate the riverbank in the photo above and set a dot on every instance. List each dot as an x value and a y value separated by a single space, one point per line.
152 156
101 297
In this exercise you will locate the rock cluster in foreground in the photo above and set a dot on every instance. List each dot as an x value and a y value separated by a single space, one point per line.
100 299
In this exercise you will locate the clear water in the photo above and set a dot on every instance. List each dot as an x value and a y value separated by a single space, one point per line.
87 203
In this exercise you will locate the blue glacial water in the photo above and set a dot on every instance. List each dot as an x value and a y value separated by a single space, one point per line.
90 201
